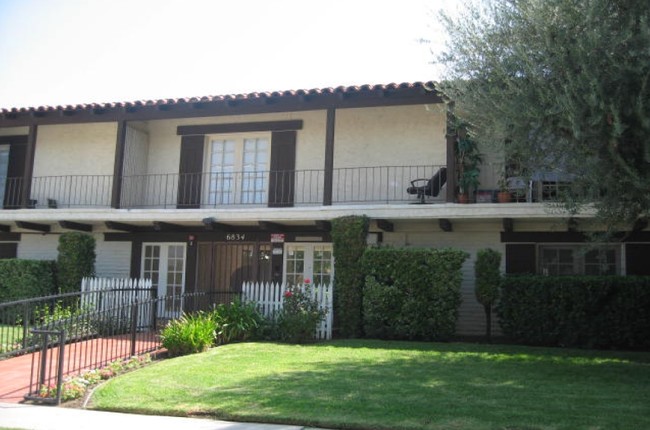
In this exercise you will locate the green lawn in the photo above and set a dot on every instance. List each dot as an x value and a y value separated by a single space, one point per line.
395 385
9 337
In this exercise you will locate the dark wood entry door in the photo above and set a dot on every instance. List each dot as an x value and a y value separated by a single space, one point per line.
224 266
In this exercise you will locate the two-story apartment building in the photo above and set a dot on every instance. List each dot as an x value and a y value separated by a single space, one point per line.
205 193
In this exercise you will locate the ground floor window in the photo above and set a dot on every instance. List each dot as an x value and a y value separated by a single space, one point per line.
579 260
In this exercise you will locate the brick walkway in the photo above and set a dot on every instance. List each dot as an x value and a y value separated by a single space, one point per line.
15 372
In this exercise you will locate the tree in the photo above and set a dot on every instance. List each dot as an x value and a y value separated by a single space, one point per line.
488 283
560 84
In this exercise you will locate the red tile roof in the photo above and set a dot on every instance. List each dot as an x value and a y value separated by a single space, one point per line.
428 86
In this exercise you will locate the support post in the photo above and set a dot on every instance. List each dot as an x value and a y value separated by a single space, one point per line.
329 157
119 165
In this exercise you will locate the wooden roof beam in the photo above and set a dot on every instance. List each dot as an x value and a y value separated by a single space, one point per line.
71 225
44 228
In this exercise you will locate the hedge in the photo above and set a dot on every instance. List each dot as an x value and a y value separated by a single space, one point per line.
21 279
75 261
411 293
585 311
349 242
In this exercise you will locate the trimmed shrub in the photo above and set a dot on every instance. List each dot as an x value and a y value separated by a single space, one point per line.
577 311
349 242
236 321
21 279
488 282
75 261
412 293
189 334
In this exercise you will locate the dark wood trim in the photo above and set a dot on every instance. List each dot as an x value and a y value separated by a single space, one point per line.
10 237
323 225
136 257
330 129
508 225
445 225
451 155
281 103
241 127
270 226
5 228
114 225
29 165
568 237
71 225
44 228
16 138
385 225
118 166
212 236
211 225
191 266
167 226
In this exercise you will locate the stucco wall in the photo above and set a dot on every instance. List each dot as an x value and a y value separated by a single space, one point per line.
14 131
73 164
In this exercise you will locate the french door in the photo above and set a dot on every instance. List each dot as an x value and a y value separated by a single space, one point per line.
313 261
164 264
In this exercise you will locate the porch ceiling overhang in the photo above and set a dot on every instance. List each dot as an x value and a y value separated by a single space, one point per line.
233 104
316 218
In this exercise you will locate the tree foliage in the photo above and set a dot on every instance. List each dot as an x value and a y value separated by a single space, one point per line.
560 85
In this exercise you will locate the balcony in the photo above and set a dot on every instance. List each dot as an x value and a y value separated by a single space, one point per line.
354 185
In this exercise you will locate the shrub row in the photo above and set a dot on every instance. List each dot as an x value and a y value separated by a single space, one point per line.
21 279
411 293
592 312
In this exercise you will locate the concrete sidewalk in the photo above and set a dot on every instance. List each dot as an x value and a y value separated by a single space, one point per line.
55 418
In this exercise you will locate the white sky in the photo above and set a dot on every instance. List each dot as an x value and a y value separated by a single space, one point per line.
77 51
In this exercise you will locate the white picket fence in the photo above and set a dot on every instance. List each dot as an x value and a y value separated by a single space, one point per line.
113 295
269 297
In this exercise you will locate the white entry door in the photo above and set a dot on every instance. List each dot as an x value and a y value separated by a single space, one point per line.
313 261
164 264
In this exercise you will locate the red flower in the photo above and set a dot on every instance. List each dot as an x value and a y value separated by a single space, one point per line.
307 281
288 293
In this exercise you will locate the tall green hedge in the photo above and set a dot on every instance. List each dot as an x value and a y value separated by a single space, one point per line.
584 311
21 279
349 242
411 293
76 260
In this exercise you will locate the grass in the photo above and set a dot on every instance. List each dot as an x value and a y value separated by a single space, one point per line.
10 335
395 385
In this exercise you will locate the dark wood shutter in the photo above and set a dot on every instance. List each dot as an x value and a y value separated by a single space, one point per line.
637 259
15 174
190 172
520 258
283 166
8 250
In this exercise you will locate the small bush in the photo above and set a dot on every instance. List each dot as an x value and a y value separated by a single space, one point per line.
236 321
488 283
577 311
189 334
299 317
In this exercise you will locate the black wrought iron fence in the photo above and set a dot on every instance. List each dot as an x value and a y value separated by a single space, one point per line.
71 333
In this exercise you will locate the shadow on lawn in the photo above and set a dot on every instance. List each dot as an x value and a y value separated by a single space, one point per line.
448 386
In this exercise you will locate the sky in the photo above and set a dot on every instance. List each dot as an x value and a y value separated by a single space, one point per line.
57 52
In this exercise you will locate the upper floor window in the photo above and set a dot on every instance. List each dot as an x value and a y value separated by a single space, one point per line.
238 169
579 260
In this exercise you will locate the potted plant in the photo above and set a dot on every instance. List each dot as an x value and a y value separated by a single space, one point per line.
503 196
468 159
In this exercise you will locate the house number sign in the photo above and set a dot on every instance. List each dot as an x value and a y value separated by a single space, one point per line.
235 237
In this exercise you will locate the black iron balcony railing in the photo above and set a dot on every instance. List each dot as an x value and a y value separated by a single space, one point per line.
347 185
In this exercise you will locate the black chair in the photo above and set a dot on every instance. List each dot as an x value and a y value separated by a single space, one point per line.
428 187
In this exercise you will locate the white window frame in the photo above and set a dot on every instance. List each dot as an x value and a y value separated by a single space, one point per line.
308 268
237 194
579 251
163 262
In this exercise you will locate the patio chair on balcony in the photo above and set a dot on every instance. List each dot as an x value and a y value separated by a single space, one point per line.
428 187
